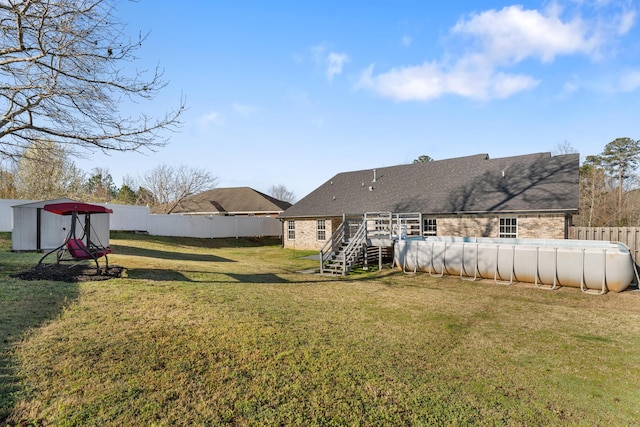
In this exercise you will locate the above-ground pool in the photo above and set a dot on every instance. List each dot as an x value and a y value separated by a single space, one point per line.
593 266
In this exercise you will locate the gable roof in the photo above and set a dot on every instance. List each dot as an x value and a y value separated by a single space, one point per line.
232 200
474 184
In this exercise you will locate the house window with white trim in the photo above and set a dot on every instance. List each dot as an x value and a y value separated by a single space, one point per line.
291 230
321 230
508 228
429 227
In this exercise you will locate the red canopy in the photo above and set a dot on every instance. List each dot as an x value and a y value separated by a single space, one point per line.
70 207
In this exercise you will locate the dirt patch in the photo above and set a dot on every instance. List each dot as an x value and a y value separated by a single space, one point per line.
70 273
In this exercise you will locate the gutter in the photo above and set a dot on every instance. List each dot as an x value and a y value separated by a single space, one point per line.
521 211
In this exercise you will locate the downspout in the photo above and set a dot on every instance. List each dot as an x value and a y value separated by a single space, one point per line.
281 232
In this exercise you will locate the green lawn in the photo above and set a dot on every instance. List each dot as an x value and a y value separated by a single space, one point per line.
213 332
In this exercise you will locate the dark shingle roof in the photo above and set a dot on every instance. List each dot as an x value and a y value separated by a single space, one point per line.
229 200
535 182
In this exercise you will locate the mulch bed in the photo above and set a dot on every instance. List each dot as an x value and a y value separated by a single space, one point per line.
70 273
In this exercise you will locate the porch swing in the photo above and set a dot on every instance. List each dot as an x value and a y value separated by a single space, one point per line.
79 248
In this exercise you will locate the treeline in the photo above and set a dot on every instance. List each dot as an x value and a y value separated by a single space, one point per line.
45 171
609 184
609 190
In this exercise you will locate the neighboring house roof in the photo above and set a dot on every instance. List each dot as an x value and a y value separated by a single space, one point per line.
236 200
474 184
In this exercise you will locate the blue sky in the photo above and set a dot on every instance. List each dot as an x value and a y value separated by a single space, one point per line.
291 92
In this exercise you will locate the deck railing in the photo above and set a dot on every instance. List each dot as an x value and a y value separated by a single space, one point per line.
349 240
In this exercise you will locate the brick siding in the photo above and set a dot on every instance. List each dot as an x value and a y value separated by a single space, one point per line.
547 226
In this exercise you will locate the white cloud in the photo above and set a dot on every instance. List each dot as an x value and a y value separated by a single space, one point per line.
335 62
512 34
332 62
498 40
406 41
318 53
504 85
432 80
210 118
629 81
570 87
244 109
627 20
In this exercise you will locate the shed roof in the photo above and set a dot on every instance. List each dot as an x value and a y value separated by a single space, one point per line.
42 203
229 200
536 182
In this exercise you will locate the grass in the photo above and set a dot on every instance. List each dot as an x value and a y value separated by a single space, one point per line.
212 332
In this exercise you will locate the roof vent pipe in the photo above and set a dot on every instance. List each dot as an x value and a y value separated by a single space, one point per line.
374 176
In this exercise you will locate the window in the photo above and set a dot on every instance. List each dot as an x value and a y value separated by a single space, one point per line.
430 227
321 230
508 228
291 229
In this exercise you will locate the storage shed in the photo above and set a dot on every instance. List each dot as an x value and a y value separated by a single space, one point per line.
35 229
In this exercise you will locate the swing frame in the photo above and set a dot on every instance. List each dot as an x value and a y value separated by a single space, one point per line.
78 248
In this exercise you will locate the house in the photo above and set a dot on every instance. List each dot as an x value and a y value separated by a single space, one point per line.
236 201
528 196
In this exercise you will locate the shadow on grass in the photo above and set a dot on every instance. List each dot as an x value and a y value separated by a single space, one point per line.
157 274
257 278
199 242
154 253
165 275
23 307
162 275
270 278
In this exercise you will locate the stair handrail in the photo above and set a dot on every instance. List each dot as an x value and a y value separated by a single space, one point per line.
354 247
334 242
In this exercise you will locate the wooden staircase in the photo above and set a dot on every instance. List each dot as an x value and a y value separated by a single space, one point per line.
342 252
359 239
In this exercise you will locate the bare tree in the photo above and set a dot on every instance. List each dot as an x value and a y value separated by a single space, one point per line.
564 148
281 192
7 183
46 172
595 197
170 185
62 79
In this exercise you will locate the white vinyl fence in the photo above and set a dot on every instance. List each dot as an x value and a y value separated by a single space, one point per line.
138 218
213 226
127 217
124 217
6 213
